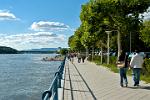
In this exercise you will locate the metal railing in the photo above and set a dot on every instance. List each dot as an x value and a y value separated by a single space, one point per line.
56 83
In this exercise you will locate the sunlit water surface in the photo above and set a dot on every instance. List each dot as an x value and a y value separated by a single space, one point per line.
25 76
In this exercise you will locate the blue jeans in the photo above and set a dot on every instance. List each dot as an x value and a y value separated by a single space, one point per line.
136 75
123 76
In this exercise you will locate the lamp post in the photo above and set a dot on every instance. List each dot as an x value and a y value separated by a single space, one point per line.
108 32
130 42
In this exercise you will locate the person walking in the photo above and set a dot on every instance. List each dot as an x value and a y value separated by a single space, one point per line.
83 56
122 64
79 57
72 57
136 65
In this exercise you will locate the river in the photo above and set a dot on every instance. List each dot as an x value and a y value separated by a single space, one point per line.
25 76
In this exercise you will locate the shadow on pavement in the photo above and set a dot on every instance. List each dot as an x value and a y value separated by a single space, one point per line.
140 87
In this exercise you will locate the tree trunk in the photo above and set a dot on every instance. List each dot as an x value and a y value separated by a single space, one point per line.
92 53
119 44
87 52
101 55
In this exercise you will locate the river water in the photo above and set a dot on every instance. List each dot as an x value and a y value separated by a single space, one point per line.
25 76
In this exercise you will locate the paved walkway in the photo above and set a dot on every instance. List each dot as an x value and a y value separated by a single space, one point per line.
87 81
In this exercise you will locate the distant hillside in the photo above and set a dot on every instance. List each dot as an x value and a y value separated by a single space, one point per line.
44 49
7 50
41 50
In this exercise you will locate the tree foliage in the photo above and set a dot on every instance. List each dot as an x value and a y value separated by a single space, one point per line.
7 50
145 33
63 51
122 17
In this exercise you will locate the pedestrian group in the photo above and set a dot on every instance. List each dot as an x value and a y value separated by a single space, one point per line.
135 64
123 63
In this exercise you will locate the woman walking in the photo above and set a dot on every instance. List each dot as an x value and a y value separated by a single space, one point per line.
122 64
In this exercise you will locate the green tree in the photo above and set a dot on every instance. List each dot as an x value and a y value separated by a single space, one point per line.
71 42
119 12
91 22
122 17
145 33
74 41
64 51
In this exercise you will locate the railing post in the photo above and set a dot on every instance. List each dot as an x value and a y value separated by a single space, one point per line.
48 93
58 75
55 90
56 83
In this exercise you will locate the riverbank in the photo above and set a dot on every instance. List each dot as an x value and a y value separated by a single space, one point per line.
55 58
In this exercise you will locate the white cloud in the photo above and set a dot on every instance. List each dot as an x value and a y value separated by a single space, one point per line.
146 14
33 40
6 15
48 26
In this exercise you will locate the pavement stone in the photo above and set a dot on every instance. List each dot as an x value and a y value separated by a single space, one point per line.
88 81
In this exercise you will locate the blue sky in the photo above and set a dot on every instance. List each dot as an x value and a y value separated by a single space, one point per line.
30 24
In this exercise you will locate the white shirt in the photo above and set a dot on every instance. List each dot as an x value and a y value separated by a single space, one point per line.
136 61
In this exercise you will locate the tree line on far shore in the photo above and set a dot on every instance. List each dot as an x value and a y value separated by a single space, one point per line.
7 50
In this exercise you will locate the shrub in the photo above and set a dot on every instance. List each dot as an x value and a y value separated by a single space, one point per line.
97 58
146 67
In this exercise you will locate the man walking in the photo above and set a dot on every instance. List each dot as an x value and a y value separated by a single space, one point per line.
136 64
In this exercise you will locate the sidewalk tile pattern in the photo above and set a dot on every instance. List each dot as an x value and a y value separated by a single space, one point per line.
88 81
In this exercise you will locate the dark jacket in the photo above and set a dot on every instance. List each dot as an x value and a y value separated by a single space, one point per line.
124 57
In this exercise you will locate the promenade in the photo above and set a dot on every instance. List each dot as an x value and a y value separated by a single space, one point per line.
88 81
